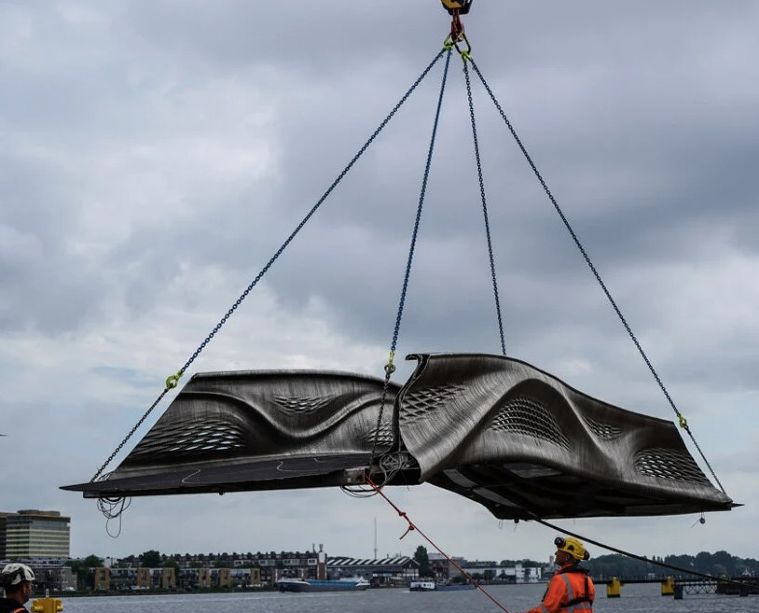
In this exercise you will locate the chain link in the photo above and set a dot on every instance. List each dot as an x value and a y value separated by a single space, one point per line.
131 432
484 203
390 367
313 210
173 379
595 272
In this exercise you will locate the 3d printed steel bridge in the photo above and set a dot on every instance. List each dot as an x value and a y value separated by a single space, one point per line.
496 430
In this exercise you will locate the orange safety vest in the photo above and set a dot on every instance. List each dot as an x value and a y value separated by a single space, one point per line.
569 591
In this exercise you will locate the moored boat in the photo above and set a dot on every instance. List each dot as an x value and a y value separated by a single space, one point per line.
429 585
422 585
292 585
351 584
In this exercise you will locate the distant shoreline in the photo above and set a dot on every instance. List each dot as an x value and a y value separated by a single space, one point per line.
99 593
256 590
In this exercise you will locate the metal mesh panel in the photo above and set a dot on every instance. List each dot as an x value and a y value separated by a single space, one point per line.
493 429
603 431
668 464
199 435
522 415
294 405
418 404
383 436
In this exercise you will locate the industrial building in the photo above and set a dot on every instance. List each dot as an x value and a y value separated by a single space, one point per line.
398 570
443 569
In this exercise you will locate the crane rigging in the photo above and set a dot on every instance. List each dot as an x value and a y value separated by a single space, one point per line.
492 428
527 416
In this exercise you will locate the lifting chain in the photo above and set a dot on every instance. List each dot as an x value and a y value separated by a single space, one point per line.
173 380
390 365
683 422
456 8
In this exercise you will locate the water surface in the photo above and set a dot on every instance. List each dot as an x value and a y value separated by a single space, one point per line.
635 598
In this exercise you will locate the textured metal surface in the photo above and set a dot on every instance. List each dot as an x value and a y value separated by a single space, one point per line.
513 437
256 430
493 429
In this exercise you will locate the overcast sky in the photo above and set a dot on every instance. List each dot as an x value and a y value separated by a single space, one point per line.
154 154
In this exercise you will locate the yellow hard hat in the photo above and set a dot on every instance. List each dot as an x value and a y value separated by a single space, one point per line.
573 547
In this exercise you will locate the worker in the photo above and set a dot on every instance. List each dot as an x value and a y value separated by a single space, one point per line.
17 581
570 590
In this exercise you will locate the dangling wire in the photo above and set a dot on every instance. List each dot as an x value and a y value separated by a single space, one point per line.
112 509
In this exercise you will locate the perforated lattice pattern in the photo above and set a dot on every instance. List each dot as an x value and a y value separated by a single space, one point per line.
199 436
669 464
522 415
420 403
384 438
603 431
294 405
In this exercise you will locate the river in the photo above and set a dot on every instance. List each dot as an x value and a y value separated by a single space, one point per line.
635 598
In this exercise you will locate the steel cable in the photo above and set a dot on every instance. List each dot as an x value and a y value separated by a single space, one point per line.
633 555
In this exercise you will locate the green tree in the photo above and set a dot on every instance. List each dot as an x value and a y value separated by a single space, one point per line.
718 570
81 571
150 559
725 564
92 561
421 557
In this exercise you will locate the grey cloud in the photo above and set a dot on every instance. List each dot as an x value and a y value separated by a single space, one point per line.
155 154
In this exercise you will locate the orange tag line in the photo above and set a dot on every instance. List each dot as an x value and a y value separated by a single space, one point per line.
412 526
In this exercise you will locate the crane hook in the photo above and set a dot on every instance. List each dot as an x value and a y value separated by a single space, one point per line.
462 6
